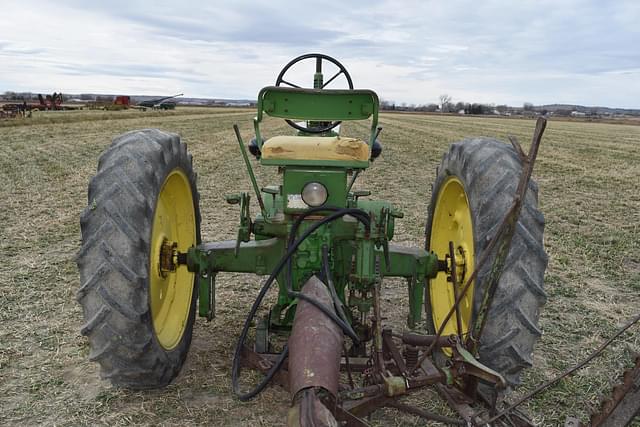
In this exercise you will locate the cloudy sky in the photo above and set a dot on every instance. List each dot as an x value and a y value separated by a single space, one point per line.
582 52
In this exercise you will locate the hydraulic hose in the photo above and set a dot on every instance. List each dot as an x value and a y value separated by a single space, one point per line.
343 322
359 214
329 282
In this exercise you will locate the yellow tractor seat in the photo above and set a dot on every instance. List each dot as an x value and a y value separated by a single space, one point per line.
315 148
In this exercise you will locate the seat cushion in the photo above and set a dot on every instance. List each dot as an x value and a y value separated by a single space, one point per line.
315 148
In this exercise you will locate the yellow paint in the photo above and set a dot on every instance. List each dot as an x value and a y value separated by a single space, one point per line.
452 222
315 148
170 293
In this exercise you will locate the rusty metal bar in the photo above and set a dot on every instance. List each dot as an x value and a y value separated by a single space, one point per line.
507 235
254 360
419 340
357 364
390 346
623 405
458 402
424 414
363 407
247 163
568 372
362 392
348 419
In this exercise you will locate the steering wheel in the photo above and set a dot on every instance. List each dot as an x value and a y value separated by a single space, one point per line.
319 58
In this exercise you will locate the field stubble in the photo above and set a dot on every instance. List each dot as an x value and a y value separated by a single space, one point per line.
588 177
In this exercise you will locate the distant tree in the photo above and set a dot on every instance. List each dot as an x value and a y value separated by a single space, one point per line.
459 106
9 95
527 106
477 108
502 108
445 101
387 105
431 108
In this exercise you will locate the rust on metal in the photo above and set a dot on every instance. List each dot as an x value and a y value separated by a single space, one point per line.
315 343
348 419
393 351
458 401
425 414
624 403
309 411
569 371
262 363
425 340
167 252
363 407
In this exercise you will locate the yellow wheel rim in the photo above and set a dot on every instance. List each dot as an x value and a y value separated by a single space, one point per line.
452 222
171 291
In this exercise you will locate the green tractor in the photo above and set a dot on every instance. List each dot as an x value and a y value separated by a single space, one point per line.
477 284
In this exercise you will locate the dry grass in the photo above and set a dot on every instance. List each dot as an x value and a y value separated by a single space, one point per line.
588 175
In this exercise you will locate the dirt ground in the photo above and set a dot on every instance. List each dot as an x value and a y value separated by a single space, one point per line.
588 175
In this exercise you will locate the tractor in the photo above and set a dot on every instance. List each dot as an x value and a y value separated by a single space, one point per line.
474 291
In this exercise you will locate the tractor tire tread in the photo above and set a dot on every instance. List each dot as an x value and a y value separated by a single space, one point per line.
113 259
489 170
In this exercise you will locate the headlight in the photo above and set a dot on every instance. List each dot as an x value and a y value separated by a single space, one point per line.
314 194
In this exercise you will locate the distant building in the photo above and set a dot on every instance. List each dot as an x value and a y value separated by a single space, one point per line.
578 114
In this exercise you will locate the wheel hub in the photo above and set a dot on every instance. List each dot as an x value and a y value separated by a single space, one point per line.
460 269
168 257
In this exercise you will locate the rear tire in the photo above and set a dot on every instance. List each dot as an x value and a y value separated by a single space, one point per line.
116 270
489 171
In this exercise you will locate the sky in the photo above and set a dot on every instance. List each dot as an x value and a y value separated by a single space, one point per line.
502 52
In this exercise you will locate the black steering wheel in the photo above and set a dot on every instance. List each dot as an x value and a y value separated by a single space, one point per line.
324 127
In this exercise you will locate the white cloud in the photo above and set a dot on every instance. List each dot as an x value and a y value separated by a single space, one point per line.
412 51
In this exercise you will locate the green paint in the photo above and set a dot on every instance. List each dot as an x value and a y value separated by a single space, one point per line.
359 259
317 105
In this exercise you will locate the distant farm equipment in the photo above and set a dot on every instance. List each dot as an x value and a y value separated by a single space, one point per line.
51 102
160 103
124 102
10 111
24 108
120 102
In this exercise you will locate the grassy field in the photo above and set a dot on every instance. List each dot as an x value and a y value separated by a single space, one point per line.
588 175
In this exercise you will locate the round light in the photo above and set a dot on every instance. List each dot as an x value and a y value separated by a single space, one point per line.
314 194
